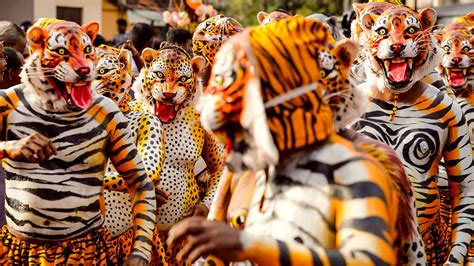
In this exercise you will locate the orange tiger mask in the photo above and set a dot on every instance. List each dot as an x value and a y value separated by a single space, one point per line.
63 63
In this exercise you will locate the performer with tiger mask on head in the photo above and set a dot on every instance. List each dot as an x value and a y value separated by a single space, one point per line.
422 124
57 138
279 124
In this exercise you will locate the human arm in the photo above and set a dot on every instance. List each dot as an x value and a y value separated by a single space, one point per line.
213 155
126 160
458 162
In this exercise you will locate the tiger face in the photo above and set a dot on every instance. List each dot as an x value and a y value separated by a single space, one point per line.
400 48
169 80
211 33
265 18
457 65
240 105
114 72
62 65
373 8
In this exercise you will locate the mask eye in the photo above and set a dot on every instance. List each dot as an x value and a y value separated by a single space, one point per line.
412 30
446 48
382 31
61 51
103 71
160 75
183 79
219 80
466 49
322 73
88 50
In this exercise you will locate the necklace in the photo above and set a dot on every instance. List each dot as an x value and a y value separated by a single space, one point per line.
394 109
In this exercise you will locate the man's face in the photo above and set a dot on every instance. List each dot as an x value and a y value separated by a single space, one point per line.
3 62
122 28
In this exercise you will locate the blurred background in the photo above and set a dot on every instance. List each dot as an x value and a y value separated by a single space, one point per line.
186 14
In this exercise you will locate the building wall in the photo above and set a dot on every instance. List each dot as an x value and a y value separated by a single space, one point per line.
91 9
16 10
110 14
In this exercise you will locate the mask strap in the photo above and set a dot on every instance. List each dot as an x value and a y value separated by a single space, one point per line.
297 92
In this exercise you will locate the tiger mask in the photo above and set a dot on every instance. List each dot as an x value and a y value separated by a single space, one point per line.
457 65
255 109
114 74
168 80
211 33
62 65
400 49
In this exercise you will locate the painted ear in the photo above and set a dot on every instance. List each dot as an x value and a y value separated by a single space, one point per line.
198 63
36 37
358 8
346 51
470 17
331 21
125 58
438 35
261 16
428 17
91 29
368 21
148 55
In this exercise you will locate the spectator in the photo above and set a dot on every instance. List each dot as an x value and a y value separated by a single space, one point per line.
141 37
11 75
99 40
12 36
25 25
122 35
180 37
3 62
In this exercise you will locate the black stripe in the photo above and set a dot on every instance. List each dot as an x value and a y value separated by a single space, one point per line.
316 260
285 259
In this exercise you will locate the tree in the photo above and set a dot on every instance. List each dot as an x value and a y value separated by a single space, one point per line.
245 11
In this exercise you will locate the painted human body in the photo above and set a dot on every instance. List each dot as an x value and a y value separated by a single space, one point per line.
311 171
233 198
57 139
359 34
167 87
457 70
420 123
113 80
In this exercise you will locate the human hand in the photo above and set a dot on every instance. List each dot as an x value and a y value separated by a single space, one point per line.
129 46
199 209
35 148
205 238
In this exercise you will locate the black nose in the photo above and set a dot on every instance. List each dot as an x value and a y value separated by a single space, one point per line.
397 48
82 71
169 95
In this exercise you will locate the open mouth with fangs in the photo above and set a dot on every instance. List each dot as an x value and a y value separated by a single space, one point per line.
398 71
166 111
456 77
77 94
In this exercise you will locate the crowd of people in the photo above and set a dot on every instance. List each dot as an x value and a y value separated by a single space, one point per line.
324 144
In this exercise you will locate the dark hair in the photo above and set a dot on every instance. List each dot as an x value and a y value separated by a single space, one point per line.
13 59
178 36
141 34
10 33
25 25
121 22
99 40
